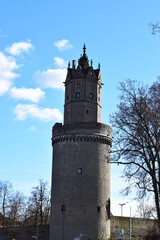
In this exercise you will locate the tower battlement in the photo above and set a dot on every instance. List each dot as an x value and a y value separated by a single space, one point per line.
100 128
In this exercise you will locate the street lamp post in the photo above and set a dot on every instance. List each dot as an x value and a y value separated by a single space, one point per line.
121 204
130 225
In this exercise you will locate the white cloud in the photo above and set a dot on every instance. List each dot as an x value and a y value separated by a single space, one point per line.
51 78
7 67
63 45
60 62
8 64
18 47
30 94
24 111
32 129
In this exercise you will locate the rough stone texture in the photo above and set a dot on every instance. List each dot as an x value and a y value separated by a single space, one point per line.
84 108
86 196
81 160
25 233
91 127
140 227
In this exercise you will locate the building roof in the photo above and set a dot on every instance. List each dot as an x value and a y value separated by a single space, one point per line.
83 67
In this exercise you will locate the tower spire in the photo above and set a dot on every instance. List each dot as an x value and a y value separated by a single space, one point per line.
83 61
84 49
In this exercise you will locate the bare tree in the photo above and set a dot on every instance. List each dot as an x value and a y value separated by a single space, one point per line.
155 28
33 208
6 192
16 209
145 209
39 206
136 142
44 199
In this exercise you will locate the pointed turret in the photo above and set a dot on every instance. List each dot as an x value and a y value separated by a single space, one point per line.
83 61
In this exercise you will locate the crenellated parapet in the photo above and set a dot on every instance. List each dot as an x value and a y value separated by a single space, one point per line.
90 127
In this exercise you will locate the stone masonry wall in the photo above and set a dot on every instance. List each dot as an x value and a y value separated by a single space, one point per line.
140 227
80 201
25 233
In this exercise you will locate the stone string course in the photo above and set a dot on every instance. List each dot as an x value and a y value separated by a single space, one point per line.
81 138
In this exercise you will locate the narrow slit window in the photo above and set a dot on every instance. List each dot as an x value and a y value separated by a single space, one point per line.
77 94
98 208
79 171
91 95
63 208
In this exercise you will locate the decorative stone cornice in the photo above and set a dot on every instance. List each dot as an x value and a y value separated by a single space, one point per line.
82 137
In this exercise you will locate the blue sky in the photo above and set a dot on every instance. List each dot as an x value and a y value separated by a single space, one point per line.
37 39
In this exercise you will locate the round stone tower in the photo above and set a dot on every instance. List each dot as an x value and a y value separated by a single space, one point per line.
80 202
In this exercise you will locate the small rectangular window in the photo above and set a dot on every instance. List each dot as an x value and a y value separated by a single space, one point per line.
108 208
63 208
91 95
79 170
67 97
77 94
98 208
